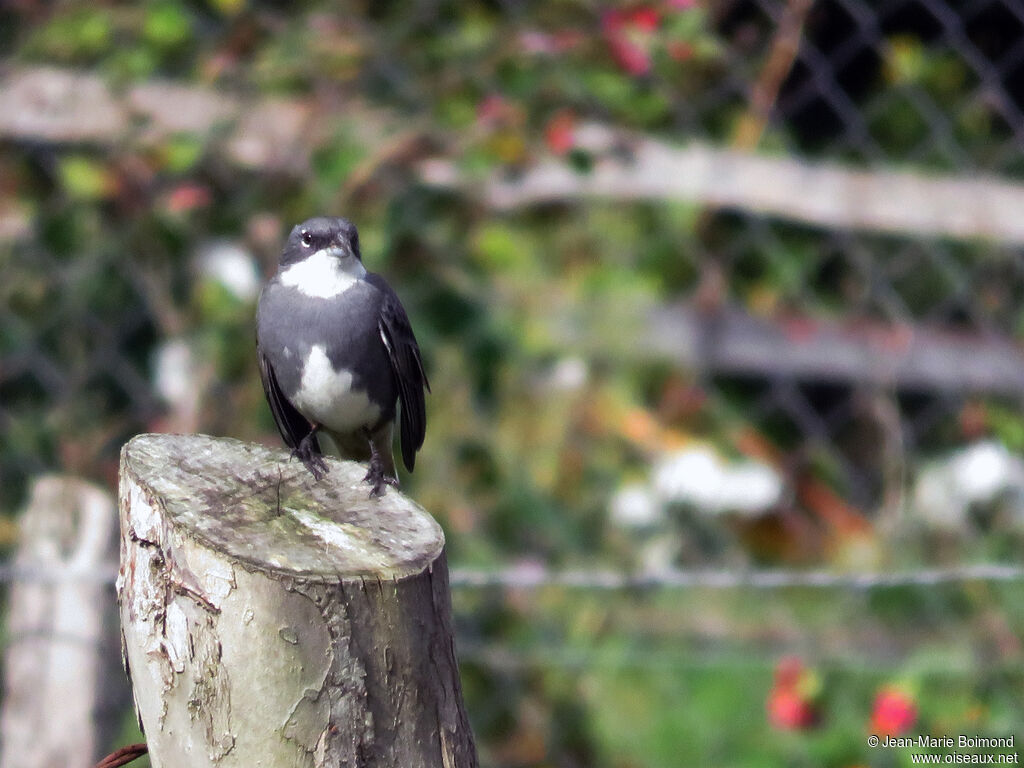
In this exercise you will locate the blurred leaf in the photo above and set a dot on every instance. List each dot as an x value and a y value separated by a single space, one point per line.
613 89
86 179
335 161
81 35
457 111
228 7
1007 423
131 63
500 248
166 25
180 153
904 60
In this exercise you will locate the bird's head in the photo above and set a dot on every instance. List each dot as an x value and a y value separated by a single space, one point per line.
322 236
321 258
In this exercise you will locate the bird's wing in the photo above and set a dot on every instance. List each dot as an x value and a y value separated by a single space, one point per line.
292 425
407 366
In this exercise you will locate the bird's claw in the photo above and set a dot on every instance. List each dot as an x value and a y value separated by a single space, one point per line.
379 480
317 466
310 458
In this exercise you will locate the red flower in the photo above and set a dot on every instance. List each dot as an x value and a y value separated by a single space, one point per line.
645 19
187 197
791 702
629 34
789 711
788 672
894 712
559 132
492 109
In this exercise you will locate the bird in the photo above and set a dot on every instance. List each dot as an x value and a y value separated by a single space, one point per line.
337 354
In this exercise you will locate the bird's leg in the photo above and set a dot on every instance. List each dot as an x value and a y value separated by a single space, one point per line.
309 454
377 475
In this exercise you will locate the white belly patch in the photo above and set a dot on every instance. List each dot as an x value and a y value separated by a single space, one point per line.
326 396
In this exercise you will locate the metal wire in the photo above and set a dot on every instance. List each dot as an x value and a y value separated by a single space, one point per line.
538 578
598 579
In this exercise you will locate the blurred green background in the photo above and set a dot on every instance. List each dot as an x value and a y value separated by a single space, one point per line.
153 156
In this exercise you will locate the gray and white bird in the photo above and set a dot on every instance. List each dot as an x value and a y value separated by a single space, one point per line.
337 354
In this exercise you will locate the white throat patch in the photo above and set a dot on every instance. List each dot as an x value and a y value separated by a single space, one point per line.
324 274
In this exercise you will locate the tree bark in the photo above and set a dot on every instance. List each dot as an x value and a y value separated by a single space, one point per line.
63 695
272 620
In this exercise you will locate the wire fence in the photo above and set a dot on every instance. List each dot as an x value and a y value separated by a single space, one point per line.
931 86
854 347
827 194
531 577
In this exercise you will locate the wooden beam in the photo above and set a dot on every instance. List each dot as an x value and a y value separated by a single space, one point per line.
60 106
62 690
51 105
630 167
728 340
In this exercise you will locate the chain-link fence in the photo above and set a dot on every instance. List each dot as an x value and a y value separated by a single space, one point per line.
774 244
932 87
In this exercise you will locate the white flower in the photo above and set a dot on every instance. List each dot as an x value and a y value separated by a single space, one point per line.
700 477
232 266
636 506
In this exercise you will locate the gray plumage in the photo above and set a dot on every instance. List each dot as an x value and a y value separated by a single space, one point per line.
337 354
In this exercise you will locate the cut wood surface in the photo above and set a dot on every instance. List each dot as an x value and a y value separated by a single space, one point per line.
273 620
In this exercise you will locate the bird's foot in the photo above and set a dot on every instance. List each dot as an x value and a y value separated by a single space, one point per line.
309 454
379 479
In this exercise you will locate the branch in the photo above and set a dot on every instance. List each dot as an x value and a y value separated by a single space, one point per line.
123 756
784 48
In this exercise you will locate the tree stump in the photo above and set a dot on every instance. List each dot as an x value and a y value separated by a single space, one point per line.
272 620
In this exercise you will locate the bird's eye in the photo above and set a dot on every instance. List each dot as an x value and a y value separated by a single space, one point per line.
307 239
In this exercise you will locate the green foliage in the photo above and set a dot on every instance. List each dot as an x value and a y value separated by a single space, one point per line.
84 178
180 154
81 35
166 25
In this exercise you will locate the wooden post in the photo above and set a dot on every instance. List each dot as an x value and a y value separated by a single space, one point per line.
272 620
63 694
